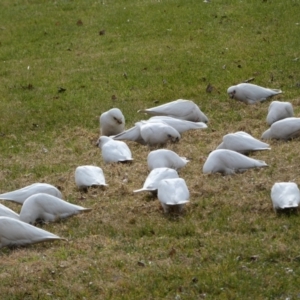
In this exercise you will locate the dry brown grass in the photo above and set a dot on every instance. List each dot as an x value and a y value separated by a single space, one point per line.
127 237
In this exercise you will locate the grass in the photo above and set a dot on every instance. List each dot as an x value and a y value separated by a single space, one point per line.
58 74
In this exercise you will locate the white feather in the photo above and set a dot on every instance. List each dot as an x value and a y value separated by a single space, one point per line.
22 194
242 142
17 233
229 162
114 151
180 125
137 132
165 158
151 133
251 93
48 209
173 192
285 129
180 109
155 176
279 110
155 134
86 176
7 212
112 122
285 195
132 134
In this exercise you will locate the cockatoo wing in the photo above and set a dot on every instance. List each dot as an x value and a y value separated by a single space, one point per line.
278 111
22 194
251 93
173 191
178 124
285 129
48 208
7 212
181 109
229 162
165 158
86 176
243 142
285 195
155 176
158 133
132 134
17 233
114 151
257 93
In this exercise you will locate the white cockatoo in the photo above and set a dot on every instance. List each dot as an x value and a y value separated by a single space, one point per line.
173 194
112 122
114 151
251 93
285 129
20 195
279 110
180 109
285 195
145 134
242 142
165 158
229 162
86 176
17 233
47 208
155 176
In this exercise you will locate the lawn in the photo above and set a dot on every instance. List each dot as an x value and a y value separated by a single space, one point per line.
63 63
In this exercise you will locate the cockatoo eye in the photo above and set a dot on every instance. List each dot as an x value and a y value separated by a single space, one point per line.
118 120
232 94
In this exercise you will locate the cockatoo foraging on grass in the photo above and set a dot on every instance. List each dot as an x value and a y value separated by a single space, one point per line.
229 162
180 109
47 208
86 176
156 175
15 233
242 142
114 151
20 195
279 110
285 129
173 194
158 134
285 196
164 158
251 93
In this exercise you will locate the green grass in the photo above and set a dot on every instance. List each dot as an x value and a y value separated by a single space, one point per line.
229 244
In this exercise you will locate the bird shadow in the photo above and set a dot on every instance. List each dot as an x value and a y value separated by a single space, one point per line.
287 212
85 190
174 214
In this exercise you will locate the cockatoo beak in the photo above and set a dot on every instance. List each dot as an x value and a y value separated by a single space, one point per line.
175 140
231 95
